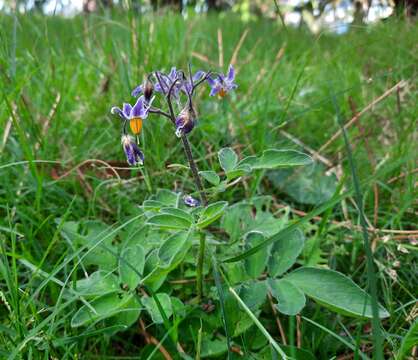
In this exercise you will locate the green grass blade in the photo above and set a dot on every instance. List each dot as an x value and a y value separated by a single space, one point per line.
338 337
219 288
371 275
260 326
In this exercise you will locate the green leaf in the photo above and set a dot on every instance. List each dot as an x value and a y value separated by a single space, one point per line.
239 219
213 348
285 252
167 197
256 263
131 265
97 284
253 293
238 171
101 308
274 158
177 212
152 205
210 176
95 236
291 228
290 300
171 248
334 290
309 185
168 221
236 273
228 159
165 259
212 213
128 313
408 342
152 308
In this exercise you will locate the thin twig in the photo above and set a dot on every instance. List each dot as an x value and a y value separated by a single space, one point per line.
298 331
149 339
315 154
108 166
278 322
203 58
157 111
402 175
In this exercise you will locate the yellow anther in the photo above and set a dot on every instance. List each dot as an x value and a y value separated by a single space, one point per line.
136 125
222 93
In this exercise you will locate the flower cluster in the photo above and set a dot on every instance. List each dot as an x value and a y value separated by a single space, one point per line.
177 89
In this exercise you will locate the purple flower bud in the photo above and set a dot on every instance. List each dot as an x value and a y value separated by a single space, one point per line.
190 201
185 122
146 88
134 155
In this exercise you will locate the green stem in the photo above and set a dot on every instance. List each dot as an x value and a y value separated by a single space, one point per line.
200 262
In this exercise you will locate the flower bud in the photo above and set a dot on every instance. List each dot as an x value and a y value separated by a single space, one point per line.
148 90
186 121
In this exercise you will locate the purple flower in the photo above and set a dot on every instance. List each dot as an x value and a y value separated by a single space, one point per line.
185 122
190 201
223 84
135 114
134 155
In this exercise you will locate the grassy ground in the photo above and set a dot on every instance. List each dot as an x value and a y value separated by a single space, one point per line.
59 78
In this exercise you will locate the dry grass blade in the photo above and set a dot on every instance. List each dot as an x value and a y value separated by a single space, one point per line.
388 92
220 49
238 47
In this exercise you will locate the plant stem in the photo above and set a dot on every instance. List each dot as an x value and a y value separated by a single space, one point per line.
194 169
200 261
202 241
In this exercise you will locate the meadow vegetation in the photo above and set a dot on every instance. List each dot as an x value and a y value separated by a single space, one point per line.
70 205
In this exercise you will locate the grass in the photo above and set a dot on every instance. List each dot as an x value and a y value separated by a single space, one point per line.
61 76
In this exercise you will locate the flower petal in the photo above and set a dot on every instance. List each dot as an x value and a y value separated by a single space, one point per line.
211 82
173 73
138 90
190 201
231 86
198 75
117 111
231 73
138 109
214 90
127 108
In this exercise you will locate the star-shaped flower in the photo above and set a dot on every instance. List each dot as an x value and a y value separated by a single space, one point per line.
222 84
134 114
